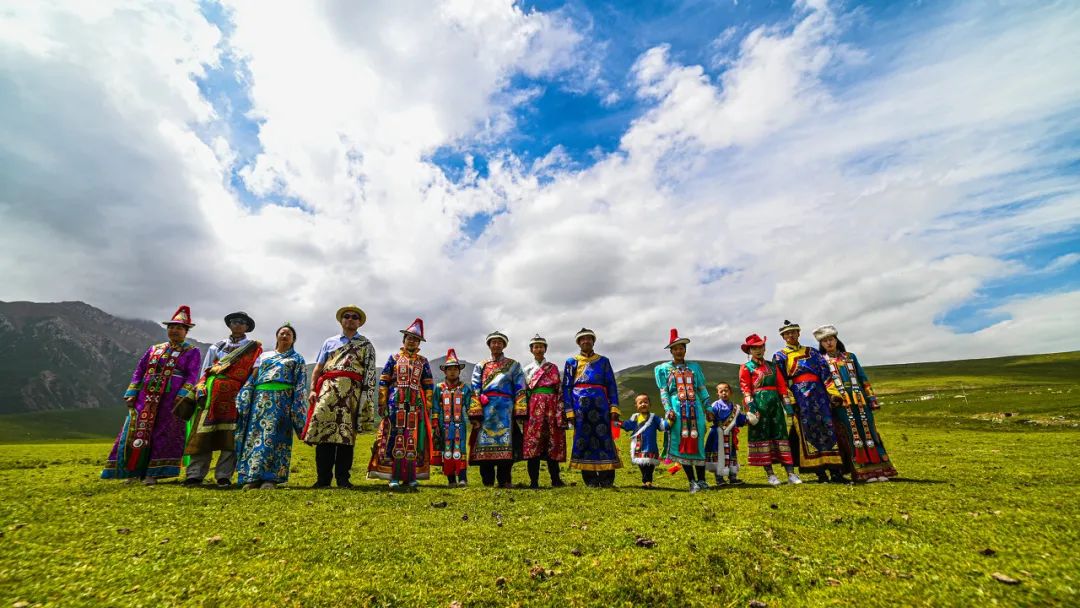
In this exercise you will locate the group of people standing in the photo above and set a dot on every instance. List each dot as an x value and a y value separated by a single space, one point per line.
247 403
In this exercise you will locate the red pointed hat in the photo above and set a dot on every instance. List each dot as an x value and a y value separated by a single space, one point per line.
416 329
182 316
451 360
674 339
752 340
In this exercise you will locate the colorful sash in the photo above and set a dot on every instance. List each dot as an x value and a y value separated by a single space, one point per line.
156 382
855 402
684 388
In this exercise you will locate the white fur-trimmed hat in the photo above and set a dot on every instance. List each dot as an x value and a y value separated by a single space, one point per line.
824 332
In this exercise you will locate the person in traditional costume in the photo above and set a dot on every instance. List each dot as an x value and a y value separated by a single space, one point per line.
450 422
644 447
498 403
722 444
151 441
271 406
768 403
813 439
685 397
545 428
591 403
344 384
853 406
402 451
227 366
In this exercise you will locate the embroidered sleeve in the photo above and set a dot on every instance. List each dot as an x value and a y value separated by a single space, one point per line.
660 373
785 392
612 387
568 388
367 396
517 383
298 405
746 384
137 377
868 391
476 409
427 384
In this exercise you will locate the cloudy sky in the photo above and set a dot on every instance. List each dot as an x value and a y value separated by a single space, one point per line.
909 171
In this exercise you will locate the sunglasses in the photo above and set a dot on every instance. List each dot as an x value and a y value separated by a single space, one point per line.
349 315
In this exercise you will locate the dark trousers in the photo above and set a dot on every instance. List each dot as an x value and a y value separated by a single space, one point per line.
497 470
690 472
598 479
452 479
534 470
647 472
333 460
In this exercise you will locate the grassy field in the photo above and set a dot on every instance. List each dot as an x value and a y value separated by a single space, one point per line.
985 513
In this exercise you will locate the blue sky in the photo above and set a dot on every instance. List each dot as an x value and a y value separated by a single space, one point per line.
905 170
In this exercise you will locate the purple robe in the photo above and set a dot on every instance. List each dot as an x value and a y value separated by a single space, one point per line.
152 444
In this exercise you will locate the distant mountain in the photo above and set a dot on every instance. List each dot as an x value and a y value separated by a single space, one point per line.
68 355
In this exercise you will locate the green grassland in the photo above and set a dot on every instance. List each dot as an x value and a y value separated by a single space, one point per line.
982 494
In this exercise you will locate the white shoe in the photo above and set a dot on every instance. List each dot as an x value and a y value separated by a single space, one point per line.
872 480
793 479
251 486
267 485
150 481
693 488
773 480
883 479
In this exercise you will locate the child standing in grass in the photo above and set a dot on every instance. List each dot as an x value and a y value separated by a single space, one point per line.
450 422
721 446
644 449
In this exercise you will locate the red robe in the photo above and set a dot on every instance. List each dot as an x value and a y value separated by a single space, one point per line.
544 434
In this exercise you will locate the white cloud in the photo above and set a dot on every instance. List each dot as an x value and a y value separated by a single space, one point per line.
877 205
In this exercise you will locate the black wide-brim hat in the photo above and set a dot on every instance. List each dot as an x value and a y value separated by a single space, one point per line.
241 315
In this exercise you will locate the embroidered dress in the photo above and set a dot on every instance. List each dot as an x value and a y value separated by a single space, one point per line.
684 394
765 394
855 426
544 435
498 398
213 427
813 438
644 447
450 427
402 449
590 396
152 444
721 447
271 406
346 385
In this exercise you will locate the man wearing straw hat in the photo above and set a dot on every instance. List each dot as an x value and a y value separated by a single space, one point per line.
344 384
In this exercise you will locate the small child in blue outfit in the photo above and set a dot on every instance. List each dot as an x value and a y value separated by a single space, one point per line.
644 449
721 457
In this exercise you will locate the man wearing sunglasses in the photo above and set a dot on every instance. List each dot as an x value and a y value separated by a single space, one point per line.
343 385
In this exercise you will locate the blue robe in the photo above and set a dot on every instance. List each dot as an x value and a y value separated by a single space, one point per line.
267 417
590 396
644 448
721 412
814 444
498 398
